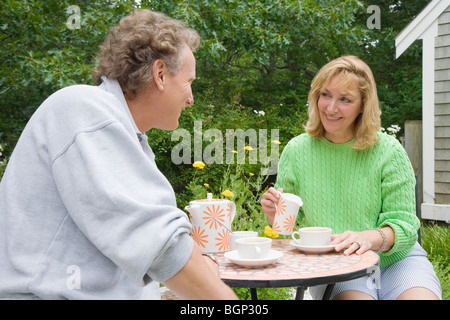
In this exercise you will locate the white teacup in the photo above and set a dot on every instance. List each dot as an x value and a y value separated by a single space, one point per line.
240 234
253 247
313 236
286 214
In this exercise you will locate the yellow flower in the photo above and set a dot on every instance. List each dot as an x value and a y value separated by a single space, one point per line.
248 148
199 164
234 151
270 233
206 185
276 141
251 174
228 193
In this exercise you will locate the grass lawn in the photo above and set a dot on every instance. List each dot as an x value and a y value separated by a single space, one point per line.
436 242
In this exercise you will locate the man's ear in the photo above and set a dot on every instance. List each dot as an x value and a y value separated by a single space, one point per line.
159 73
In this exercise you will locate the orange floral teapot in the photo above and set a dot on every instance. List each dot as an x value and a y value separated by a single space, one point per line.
211 223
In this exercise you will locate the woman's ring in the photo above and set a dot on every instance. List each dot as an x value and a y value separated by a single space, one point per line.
358 243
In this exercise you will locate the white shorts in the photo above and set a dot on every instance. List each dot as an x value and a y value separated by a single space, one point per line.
415 270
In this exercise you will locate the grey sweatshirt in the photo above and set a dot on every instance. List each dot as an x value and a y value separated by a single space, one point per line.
84 211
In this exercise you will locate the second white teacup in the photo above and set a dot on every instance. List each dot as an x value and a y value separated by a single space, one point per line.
313 236
240 234
253 247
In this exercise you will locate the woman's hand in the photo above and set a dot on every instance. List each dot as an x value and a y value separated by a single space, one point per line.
360 242
268 201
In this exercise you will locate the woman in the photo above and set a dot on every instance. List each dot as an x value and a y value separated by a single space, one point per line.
357 181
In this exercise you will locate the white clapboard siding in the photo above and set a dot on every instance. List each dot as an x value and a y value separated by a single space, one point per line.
442 109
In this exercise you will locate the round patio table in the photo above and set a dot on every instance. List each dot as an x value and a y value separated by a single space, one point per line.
298 269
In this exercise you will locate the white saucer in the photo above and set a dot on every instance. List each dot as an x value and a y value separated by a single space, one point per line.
313 249
233 256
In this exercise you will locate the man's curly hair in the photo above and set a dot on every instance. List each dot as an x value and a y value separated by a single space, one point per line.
131 48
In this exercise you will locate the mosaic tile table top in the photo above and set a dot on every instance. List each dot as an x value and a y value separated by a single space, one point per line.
296 268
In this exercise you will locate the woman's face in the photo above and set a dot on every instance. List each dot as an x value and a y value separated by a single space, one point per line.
339 106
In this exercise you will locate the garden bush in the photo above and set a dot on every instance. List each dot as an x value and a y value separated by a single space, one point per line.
189 182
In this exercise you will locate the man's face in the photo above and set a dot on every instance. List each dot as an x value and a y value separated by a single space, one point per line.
160 105
178 92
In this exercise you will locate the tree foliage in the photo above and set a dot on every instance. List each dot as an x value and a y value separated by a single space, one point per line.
399 80
255 55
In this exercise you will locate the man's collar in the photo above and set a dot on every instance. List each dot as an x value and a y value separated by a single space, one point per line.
113 87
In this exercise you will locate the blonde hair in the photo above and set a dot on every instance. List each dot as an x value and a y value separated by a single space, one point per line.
131 48
352 70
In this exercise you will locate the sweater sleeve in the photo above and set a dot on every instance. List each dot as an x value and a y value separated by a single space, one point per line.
398 199
285 177
122 203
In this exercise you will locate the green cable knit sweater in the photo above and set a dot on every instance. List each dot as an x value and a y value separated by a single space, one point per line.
347 189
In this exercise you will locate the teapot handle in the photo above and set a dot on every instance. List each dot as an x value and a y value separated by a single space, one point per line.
233 210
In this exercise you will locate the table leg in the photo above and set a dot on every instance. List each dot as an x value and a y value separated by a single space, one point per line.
328 290
254 293
300 293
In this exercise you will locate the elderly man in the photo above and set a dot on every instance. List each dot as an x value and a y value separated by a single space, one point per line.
84 211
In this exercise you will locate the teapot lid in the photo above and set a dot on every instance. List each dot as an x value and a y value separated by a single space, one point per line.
209 198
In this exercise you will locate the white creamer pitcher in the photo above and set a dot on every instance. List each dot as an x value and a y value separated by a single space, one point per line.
211 223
